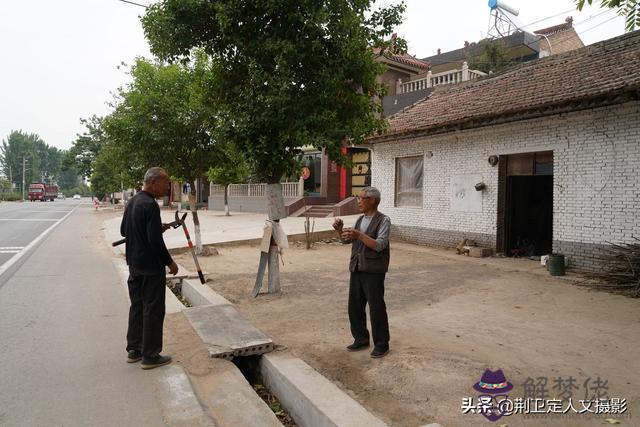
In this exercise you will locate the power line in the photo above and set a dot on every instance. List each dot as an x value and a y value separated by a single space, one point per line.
597 25
134 3
593 17
548 17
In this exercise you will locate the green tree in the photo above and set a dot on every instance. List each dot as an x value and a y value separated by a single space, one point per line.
67 178
628 8
103 178
84 150
16 147
287 74
5 185
160 120
493 58
232 168
42 162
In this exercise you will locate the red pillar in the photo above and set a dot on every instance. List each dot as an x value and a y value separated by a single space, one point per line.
343 177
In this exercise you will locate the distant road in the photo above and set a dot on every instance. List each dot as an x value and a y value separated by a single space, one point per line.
22 223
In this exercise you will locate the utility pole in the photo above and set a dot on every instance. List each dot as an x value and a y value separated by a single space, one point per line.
23 170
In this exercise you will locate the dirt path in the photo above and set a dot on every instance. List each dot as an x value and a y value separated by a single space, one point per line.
450 318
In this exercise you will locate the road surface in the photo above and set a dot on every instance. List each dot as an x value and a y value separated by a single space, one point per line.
63 319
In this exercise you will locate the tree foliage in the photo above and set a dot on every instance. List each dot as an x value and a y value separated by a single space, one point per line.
628 8
160 120
493 58
285 74
82 154
42 161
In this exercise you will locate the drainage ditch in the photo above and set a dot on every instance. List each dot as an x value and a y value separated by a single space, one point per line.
176 288
249 366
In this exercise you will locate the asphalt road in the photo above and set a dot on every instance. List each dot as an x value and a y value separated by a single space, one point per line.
21 223
63 319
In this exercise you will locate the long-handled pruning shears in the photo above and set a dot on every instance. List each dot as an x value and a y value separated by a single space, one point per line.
193 252
175 224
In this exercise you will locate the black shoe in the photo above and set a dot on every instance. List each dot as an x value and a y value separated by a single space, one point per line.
357 346
379 352
133 356
155 362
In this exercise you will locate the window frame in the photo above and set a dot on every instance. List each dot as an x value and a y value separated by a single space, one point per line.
397 182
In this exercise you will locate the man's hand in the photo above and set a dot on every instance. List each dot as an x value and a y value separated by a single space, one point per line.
350 234
337 225
165 227
173 268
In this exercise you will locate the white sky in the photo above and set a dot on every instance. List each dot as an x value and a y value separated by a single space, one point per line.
59 58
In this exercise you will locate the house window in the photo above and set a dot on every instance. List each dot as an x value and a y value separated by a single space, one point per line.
409 173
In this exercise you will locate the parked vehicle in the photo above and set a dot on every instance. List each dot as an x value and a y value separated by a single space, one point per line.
43 192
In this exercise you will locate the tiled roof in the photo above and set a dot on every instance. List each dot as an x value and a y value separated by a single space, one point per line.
554 29
602 69
405 58
391 104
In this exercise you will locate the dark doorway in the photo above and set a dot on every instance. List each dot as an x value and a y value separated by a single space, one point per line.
527 211
530 215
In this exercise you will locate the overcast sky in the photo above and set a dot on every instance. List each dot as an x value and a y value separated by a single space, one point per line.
60 58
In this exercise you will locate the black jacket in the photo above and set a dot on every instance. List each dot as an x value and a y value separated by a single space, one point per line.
141 225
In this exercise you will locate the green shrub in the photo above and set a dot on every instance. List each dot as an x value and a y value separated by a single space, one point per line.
11 197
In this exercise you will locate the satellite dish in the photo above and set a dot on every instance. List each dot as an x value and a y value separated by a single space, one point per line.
499 4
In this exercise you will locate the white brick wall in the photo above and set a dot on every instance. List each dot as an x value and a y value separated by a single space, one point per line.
596 173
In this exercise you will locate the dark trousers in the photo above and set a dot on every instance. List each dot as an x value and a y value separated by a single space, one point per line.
368 288
146 314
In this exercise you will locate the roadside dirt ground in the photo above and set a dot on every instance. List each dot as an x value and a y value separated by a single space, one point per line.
451 317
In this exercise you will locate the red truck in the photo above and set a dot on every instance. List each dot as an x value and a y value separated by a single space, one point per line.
43 192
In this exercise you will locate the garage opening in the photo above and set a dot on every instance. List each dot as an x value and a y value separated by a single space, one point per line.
527 204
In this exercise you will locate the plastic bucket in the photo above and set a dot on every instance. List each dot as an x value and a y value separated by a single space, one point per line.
556 264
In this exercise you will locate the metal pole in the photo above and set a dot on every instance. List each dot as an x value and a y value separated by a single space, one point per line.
23 167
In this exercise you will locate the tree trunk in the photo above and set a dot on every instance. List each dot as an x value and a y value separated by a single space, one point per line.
276 211
196 227
196 221
226 200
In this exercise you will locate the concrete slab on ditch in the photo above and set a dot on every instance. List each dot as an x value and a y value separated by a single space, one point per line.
226 333
311 399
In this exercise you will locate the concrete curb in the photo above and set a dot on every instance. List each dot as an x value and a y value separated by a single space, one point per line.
14 263
311 399
198 294
180 405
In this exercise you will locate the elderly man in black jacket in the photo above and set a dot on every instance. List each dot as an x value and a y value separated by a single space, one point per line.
368 265
147 257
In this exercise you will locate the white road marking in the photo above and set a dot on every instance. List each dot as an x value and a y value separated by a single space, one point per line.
10 248
43 210
30 219
14 251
